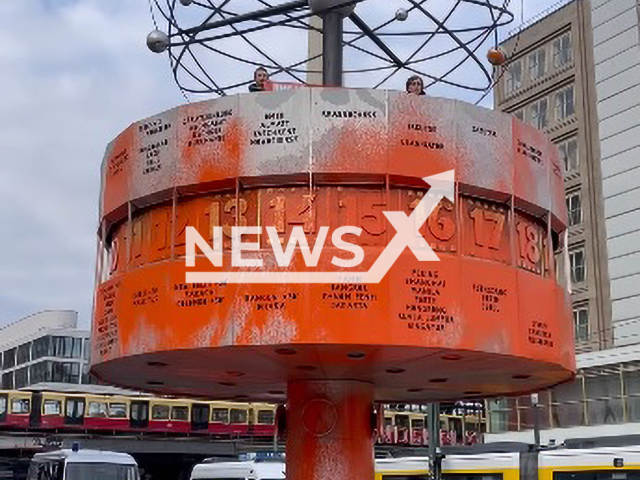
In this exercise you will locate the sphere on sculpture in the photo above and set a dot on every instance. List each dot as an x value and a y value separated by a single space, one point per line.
157 41
496 57
402 14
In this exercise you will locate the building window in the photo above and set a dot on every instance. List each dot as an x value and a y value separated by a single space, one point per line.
71 372
581 322
562 50
569 153
21 378
537 64
9 360
578 267
40 372
66 372
86 350
76 351
574 209
41 348
565 106
539 113
24 353
56 372
57 347
67 347
7 381
514 77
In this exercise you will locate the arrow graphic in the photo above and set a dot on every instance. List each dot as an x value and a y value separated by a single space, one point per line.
407 235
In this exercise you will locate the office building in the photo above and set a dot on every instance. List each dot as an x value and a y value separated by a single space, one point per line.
548 82
42 348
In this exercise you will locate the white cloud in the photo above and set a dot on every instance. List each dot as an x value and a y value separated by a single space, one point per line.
74 75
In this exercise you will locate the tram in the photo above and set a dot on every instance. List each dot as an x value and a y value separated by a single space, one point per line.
603 463
621 463
460 424
402 424
44 410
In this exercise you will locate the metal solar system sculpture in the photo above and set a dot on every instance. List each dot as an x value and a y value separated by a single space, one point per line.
213 45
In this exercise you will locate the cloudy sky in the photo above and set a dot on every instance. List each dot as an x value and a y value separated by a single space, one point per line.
74 73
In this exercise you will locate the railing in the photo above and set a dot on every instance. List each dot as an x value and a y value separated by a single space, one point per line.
536 18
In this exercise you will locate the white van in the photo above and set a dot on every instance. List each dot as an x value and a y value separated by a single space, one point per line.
83 465
250 470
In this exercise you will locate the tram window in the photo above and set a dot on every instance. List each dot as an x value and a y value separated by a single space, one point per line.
97 409
75 408
180 413
3 405
21 406
118 410
51 407
402 421
220 415
266 417
462 476
140 411
238 415
455 424
199 415
388 421
160 412
417 423
406 477
600 475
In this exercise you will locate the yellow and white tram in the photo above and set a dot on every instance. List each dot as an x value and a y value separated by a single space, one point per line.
604 463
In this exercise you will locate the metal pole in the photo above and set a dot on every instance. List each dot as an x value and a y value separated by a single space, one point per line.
329 432
434 440
536 419
314 75
332 32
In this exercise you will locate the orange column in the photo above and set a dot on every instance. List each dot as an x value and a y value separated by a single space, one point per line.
329 430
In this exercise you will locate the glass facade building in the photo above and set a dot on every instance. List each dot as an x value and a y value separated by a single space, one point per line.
49 358
604 395
44 348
